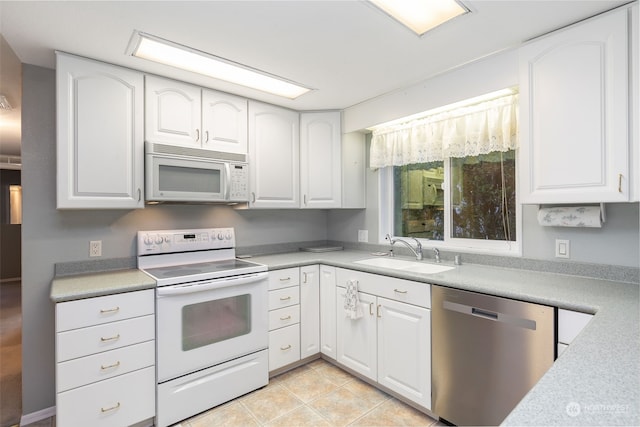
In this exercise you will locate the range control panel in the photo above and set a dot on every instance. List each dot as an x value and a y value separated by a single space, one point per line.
172 241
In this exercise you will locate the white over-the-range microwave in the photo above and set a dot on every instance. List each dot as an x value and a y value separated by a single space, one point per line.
183 174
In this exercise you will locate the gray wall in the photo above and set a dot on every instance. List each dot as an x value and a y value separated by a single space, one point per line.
51 236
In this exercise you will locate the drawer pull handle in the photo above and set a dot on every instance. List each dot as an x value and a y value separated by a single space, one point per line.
378 311
115 337
115 365
109 310
285 348
285 318
284 279
371 309
399 291
285 298
112 408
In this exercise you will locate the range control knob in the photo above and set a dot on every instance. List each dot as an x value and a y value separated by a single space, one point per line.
228 236
147 239
220 236
158 240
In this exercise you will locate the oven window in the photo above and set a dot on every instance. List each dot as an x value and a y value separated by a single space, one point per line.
210 322
177 178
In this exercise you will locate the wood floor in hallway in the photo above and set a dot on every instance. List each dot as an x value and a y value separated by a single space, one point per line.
10 353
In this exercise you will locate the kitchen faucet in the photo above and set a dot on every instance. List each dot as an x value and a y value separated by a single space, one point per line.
417 252
436 252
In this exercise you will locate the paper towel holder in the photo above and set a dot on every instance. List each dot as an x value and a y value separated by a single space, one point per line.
601 214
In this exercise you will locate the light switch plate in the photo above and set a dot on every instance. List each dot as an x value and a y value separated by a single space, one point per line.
562 249
363 236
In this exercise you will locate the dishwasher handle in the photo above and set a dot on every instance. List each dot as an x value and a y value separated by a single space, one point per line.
489 315
484 313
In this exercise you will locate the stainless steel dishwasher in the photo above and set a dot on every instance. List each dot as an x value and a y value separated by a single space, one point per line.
487 353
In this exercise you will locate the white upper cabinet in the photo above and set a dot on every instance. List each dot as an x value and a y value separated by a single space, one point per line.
320 160
172 112
354 185
574 98
182 114
224 122
100 145
274 156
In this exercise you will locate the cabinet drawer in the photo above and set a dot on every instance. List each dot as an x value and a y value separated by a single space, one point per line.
86 370
284 297
284 278
120 401
284 317
415 293
99 310
86 341
284 346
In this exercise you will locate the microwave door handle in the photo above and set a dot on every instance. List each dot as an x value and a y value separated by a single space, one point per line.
227 181
210 284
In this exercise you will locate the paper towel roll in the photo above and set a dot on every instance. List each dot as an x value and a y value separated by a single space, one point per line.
575 216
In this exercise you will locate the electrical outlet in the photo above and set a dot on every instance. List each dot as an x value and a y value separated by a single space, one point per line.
562 248
363 236
95 248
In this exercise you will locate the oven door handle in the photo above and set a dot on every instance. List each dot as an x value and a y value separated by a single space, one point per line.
190 288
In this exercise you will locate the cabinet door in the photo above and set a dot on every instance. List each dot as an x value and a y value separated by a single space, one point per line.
404 350
356 338
320 160
328 310
354 188
573 114
274 156
172 114
224 122
309 310
100 146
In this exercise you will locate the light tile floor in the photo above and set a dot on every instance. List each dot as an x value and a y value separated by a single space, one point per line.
317 394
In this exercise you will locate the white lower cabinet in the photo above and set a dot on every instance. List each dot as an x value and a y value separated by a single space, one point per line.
570 324
105 360
391 342
119 401
294 315
309 310
328 311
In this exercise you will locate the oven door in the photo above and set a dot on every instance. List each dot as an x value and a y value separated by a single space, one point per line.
202 324
183 179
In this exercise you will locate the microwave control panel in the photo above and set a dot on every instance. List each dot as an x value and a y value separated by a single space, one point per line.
238 182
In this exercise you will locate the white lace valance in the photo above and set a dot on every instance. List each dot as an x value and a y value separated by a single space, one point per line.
468 131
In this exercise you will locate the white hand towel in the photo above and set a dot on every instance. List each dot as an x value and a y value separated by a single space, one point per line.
352 306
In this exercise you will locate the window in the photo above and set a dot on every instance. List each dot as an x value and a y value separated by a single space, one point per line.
451 177
480 203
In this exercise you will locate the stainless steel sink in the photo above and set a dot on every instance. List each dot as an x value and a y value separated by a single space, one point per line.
412 266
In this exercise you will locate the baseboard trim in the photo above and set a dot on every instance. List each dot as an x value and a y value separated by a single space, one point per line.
40 415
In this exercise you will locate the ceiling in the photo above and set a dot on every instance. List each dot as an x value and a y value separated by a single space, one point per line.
347 50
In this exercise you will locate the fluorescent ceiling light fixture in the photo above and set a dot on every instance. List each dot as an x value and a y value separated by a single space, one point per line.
155 49
421 16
